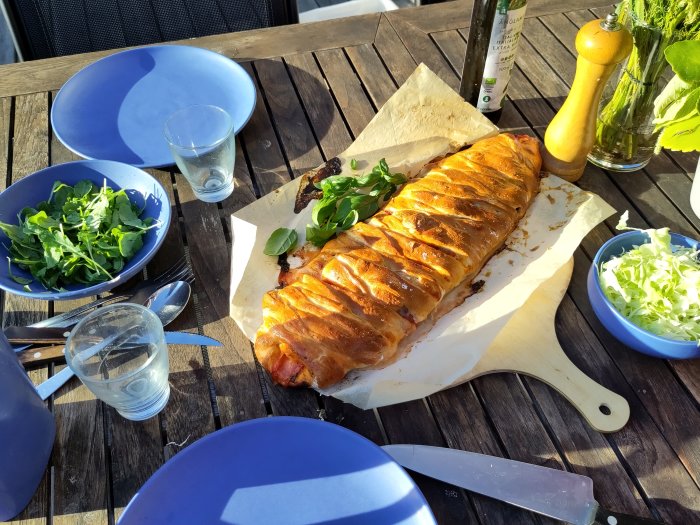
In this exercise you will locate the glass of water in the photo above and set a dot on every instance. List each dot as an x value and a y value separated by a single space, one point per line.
203 143
119 353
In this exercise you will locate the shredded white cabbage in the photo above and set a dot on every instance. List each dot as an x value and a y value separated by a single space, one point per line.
656 285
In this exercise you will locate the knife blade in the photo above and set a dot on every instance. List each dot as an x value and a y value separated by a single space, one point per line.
48 387
28 334
186 338
555 493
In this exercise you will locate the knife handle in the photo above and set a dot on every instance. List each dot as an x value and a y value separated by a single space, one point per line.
608 517
39 355
33 335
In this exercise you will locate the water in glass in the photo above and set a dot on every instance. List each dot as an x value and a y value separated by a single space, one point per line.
119 353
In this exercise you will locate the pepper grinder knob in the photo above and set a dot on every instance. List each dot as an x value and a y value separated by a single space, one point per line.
601 45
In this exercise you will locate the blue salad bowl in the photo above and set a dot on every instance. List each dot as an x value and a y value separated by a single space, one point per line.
143 190
617 324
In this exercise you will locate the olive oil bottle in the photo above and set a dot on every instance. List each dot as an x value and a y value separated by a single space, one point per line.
492 79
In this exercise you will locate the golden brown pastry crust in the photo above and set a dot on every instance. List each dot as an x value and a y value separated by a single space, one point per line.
351 305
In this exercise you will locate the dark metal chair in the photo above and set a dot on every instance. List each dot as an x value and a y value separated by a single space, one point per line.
49 28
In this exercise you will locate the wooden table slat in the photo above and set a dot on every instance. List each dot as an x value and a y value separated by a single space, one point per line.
234 376
264 153
296 138
325 119
370 69
30 152
347 90
412 422
393 53
81 490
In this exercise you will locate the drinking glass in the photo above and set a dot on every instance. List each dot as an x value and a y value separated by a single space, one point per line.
203 143
119 353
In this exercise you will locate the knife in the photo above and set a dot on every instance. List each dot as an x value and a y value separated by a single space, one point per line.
28 334
53 383
39 355
555 493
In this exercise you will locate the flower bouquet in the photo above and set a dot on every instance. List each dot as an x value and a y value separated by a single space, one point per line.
625 133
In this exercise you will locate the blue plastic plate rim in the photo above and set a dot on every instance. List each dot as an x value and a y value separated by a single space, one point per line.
67 172
280 425
640 237
241 84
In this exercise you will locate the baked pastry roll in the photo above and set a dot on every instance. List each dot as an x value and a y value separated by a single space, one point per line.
352 305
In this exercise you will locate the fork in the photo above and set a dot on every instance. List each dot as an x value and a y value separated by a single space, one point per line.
139 294
180 271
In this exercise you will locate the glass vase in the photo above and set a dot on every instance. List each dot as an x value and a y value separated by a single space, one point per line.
625 137
695 192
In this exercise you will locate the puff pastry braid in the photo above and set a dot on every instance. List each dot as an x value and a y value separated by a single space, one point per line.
367 290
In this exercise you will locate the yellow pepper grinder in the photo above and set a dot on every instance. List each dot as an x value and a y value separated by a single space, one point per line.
601 45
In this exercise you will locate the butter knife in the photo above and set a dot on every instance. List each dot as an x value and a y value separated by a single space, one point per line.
28 334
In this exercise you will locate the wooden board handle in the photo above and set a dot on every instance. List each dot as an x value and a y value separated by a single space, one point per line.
528 345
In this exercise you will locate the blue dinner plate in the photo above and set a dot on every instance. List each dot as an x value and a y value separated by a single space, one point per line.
280 470
115 108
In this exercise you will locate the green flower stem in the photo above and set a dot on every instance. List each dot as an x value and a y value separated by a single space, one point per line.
624 123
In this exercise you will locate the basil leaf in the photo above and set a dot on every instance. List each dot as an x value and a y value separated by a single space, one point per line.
319 236
364 205
337 185
395 178
370 179
323 210
349 220
281 241
344 209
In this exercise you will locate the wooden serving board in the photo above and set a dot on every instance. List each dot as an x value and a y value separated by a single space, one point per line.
528 345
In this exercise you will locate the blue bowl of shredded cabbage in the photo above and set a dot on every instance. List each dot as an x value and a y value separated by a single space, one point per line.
643 286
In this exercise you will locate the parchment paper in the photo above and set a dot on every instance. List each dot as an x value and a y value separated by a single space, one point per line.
425 119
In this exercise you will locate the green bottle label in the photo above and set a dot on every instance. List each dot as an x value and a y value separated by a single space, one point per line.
503 44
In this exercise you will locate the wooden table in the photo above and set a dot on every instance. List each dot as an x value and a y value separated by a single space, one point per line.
318 87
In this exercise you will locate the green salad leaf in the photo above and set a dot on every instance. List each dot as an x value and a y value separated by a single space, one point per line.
81 234
677 108
281 241
656 285
348 200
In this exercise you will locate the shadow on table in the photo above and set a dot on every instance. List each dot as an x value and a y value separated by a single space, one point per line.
293 114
